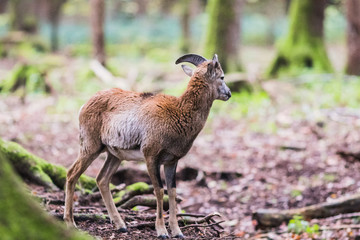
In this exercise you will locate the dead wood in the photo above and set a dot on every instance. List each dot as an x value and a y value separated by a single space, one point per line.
146 200
106 76
190 222
274 217
203 225
349 153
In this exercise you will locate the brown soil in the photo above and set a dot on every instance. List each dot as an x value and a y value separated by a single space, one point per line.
232 170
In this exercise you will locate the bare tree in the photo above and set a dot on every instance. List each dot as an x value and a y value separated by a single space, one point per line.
353 37
97 29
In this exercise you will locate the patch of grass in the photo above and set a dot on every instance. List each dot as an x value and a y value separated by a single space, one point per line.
295 193
298 225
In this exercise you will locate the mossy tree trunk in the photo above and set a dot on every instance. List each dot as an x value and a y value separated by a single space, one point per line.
23 16
223 32
303 47
353 37
97 18
21 217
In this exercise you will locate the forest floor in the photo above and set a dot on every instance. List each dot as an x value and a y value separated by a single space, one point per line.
231 169
235 167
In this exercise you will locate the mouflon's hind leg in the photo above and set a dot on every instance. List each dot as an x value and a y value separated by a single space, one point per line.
170 176
154 173
103 181
79 166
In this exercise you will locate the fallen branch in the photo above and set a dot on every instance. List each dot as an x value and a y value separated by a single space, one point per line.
190 222
147 201
203 225
274 217
343 216
106 76
339 227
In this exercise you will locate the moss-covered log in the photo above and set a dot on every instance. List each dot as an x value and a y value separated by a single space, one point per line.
137 195
21 217
303 46
39 170
223 32
131 191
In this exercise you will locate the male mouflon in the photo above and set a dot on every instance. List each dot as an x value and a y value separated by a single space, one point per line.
157 128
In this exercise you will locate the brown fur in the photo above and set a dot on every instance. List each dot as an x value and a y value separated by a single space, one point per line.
131 126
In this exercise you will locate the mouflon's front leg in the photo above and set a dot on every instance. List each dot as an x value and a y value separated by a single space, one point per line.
154 173
170 175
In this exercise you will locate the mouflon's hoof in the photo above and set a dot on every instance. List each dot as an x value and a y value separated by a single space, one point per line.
163 236
122 230
180 236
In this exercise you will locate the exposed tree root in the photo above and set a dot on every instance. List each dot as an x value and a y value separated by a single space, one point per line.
38 170
139 188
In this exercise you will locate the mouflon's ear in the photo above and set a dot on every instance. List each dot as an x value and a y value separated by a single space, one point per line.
215 58
188 70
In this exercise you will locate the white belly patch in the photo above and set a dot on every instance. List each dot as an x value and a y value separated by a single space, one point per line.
129 155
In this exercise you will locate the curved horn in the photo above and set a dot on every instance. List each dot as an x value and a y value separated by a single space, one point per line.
191 58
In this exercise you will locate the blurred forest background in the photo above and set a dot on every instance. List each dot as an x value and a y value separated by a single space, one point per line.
288 138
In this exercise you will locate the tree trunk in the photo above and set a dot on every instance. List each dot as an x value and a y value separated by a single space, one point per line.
185 26
54 13
166 6
303 47
3 6
353 37
23 16
97 27
223 32
141 7
21 217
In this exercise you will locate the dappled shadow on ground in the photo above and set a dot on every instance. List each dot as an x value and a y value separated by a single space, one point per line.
233 170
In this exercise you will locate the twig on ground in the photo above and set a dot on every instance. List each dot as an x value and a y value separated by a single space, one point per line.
203 225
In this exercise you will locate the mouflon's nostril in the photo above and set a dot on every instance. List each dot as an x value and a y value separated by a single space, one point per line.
228 94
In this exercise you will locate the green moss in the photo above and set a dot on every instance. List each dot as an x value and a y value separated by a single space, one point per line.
139 186
130 191
300 50
21 217
29 77
38 169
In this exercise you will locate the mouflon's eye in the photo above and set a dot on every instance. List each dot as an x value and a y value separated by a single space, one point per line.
222 77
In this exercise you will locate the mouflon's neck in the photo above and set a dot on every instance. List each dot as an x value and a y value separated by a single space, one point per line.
197 97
